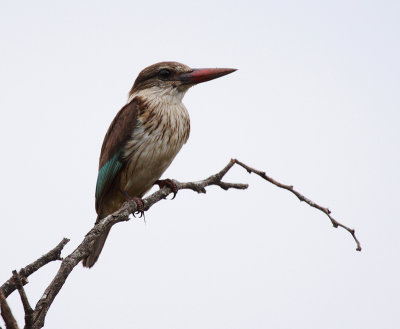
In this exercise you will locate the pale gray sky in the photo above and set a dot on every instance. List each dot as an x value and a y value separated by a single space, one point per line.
315 103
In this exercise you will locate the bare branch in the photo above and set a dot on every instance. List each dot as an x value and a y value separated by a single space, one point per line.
216 179
301 197
55 254
6 313
68 264
27 307
123 214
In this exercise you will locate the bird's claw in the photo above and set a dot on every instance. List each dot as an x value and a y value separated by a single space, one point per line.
139 207
139 204
168 183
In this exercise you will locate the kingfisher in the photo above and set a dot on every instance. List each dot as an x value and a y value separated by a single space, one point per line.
144 138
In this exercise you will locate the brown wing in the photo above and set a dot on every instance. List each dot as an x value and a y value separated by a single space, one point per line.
117 135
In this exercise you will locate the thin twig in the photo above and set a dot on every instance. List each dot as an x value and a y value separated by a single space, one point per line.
27 307
6 313
301 197
55 254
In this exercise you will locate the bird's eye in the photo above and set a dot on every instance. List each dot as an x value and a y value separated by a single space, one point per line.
164 74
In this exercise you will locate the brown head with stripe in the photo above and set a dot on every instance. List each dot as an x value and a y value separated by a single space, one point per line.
174 75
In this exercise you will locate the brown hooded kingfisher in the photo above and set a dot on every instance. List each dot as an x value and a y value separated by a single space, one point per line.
144 138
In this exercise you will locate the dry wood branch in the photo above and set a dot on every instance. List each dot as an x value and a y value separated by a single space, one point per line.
55 254
123 214
6 313
68 264
301 197
27 307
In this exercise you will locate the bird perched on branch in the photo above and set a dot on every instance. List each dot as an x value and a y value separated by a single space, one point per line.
144 138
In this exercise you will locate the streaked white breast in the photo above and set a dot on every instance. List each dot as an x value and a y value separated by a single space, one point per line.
156 142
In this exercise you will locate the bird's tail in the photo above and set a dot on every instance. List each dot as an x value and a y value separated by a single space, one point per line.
90 260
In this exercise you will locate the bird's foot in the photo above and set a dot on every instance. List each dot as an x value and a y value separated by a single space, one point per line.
139 207
139 204
168 183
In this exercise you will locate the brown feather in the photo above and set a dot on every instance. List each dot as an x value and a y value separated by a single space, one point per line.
117 135
119 131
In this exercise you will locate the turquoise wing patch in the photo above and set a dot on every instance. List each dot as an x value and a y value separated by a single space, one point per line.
107 174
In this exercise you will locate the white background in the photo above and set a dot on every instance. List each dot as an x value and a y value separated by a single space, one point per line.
315 103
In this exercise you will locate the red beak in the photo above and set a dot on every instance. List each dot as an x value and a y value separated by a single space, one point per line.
203 75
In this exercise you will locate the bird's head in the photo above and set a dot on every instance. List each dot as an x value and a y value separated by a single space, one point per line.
173 79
